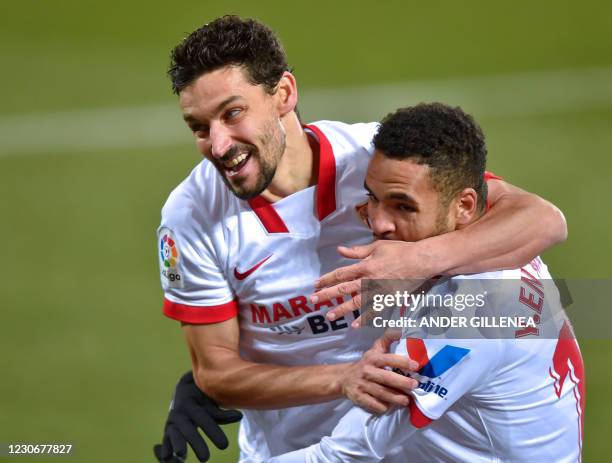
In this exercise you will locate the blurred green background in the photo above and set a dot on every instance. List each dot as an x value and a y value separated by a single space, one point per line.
91 143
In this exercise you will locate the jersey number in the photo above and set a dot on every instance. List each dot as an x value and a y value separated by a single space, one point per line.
567 362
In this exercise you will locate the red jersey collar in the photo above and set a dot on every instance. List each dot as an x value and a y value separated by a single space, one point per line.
326 186
325 189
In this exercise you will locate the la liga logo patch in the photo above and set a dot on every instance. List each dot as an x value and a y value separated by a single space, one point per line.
167 251
169 259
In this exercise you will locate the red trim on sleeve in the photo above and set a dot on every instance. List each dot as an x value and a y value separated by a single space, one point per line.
268 216
200 315
326 187
417 418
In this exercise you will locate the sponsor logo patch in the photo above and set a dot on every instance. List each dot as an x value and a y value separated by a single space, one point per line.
430 369
169 259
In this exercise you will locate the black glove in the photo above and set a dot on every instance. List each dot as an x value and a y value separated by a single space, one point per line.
192 409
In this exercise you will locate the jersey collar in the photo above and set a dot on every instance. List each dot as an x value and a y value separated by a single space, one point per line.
325 190
326 186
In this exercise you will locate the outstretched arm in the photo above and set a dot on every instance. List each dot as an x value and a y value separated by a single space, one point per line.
518 226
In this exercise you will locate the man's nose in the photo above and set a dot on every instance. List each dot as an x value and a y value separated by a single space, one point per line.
220 140
381 222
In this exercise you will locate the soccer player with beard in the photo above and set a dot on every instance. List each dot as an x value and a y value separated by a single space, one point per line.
245 235
517 397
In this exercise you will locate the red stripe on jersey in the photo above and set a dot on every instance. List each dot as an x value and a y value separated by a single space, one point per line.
268 216
417 418
326 187
490 176
200 315
567 363
417 351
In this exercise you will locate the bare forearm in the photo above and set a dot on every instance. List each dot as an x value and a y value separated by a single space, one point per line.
510 235
261 386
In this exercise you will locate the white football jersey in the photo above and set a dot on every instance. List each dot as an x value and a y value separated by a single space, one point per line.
480 400
221 257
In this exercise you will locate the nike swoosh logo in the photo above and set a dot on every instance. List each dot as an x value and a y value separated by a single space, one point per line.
243 275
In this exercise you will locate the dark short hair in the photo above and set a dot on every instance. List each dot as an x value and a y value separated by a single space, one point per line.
229 40
444 138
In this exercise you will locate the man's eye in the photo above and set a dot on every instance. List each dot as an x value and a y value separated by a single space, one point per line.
372 198
405 208
199 129
232 113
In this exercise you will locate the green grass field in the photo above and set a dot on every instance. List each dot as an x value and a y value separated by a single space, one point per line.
87 356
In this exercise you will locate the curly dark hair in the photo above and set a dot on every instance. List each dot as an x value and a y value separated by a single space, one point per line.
229 40
446 139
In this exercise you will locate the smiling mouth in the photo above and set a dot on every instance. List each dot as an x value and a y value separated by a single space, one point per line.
234 165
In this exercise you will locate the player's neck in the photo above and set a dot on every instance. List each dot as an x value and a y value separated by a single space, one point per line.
295 170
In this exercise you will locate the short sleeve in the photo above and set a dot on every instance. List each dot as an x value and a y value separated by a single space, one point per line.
448 370
195 288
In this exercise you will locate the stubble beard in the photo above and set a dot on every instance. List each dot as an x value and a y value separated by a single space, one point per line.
274 143
442 226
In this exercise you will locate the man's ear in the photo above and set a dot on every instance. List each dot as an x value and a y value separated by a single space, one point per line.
467 206
286 93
